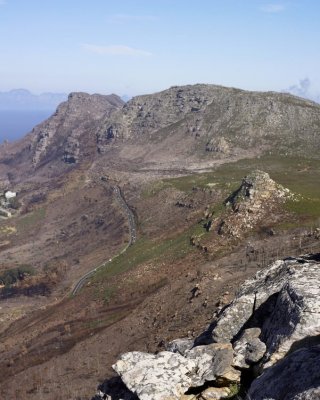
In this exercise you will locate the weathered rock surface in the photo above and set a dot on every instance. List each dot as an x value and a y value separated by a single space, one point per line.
213 364
215 393
283 300
296 377
249 349
275 316
159 377
256 198
216 121
180 346
169 375
64 132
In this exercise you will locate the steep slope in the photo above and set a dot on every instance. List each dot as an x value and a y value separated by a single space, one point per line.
67 137
207 122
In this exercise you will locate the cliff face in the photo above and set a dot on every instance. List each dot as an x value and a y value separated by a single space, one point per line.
68 136
270 329
70 132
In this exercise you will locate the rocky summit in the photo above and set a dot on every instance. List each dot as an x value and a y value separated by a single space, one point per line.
184 126
213 121
267 338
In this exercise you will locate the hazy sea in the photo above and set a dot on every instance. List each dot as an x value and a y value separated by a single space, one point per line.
15 124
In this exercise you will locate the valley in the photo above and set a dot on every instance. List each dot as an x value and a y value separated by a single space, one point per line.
138 221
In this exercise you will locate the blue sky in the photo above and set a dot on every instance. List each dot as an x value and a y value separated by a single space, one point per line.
140 46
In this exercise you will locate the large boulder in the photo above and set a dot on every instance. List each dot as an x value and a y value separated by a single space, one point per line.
169 375
159 377
257 198
296 377
283 300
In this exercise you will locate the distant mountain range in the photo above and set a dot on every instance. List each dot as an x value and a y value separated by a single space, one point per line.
22 99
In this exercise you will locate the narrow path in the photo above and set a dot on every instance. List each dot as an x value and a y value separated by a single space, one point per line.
132 239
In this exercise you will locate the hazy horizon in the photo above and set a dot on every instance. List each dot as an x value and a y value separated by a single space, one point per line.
143 47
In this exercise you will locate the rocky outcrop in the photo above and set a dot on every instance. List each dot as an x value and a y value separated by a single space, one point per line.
256 198
169 375
216 121
64 133
283 300
159 377
271 328
296 377
219 145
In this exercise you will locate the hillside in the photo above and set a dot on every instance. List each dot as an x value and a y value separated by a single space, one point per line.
207 123
209 185
187 127
68 135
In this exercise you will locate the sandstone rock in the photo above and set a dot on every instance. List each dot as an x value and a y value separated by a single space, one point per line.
159 377
213 364
169 375
275 315
283 300
254 200
232 121
215 393
296 377
219 145
249 349
69 130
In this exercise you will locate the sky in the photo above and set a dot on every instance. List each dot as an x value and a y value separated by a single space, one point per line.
132 47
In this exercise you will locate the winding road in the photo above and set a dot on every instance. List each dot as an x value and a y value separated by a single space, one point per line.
132 239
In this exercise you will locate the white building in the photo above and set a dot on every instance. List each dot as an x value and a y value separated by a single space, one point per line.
10 195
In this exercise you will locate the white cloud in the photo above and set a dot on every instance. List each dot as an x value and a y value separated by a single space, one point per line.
115 50
130 17
272 8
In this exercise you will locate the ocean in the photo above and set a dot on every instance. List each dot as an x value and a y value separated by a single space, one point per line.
15 124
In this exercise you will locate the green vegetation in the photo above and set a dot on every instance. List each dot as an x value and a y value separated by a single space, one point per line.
300 175
145 250
234 391
31 219
11 276
210 180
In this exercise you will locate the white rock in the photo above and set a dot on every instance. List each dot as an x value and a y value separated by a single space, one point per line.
158 377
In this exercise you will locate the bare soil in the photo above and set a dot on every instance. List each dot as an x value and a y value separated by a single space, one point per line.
61 347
